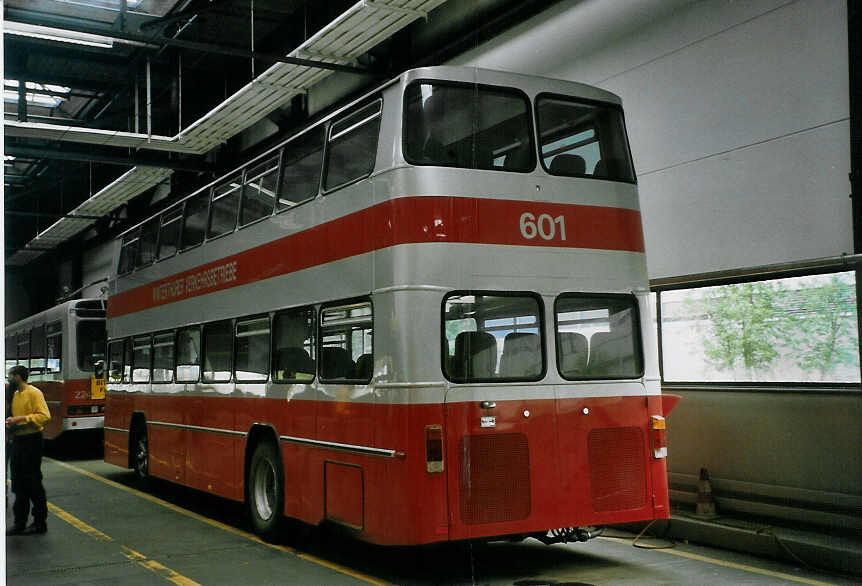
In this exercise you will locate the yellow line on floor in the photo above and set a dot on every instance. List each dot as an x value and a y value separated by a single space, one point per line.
239 532
736 566
130 554
78 524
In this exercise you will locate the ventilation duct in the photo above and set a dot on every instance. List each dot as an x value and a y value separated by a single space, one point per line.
124 188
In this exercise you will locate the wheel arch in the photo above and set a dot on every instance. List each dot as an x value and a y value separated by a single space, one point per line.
257 433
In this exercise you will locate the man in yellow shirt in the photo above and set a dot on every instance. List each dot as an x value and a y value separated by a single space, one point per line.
29 415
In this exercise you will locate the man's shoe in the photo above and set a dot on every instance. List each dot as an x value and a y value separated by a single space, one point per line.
15 530
35 529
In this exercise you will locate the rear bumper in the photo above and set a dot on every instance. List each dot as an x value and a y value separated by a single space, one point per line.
78 423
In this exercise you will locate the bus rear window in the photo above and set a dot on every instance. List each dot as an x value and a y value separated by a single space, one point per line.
598 337
580 139
91 343
467 126
492 337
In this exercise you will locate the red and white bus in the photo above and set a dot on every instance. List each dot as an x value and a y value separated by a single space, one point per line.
424 317
62 346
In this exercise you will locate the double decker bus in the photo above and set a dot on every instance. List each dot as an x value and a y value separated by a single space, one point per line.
424 317
63 347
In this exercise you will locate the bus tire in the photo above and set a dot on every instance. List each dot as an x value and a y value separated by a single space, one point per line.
265 482
140 451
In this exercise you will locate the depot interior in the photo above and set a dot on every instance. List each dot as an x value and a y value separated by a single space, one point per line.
743 119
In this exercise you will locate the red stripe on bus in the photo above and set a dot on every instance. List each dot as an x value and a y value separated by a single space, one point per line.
408 220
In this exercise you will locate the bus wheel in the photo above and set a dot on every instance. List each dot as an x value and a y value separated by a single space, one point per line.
140 446
265 484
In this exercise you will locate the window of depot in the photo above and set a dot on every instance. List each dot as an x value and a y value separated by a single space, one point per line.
787 330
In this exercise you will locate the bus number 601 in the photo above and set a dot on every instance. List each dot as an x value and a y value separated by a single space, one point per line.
544 226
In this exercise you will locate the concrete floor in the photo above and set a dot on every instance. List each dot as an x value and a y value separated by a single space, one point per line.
104 530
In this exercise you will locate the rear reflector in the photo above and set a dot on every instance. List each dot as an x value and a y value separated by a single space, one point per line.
434 448
658 435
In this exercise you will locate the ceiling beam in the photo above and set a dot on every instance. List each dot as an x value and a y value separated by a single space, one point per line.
50 216
108 156
16 15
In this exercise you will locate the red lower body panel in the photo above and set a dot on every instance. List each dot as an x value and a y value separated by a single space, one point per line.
555 466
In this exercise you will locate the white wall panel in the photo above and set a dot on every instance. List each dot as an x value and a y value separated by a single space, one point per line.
737 115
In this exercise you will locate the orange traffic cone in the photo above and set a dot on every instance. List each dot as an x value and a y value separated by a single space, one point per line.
705 507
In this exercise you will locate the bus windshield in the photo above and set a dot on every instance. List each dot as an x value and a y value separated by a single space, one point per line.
467 126
91 343
583 139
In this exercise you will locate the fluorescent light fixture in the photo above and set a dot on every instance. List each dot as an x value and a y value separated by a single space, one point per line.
32 85
8 158
103 4
34 99
55 34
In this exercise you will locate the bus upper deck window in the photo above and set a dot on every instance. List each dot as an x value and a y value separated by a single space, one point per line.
224 207
258 193
583 139
147 243
169 234
128 252
467 126
195 220
302 163
352 148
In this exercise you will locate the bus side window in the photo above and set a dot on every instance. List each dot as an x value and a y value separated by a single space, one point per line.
147 243
352 149
169 232
24 348
54 343
224 207
115 356
37 351
141 359
195 220
251 363
303 160
188 355
218 351
163 357
258 192
293 351
11 352
346 342
128 252
127 360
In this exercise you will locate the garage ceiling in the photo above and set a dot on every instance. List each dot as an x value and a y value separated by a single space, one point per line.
106 99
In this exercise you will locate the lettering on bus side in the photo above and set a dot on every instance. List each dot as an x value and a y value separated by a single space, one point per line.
544 226
199 281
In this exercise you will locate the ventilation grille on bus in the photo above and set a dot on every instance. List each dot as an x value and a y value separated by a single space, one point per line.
495 478
617 468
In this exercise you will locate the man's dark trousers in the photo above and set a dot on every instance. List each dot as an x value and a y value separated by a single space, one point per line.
26 467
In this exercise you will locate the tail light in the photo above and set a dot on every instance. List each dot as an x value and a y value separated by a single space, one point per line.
658 434
434 448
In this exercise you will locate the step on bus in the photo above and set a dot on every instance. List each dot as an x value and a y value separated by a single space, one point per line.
64 347
423 317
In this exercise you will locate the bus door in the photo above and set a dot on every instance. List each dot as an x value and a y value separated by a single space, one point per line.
500 419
